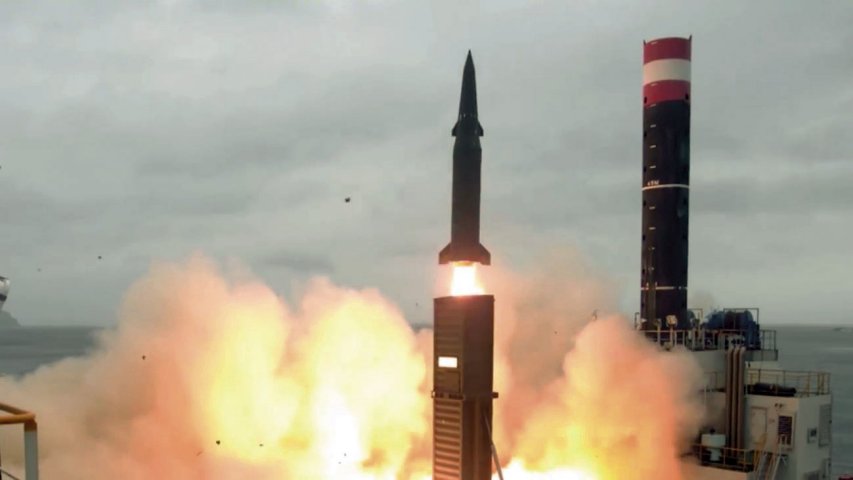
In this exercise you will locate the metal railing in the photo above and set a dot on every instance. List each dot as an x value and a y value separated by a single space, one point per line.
729 458
806 384
700 339
10 415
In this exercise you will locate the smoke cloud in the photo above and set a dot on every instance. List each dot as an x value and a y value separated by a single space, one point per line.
579 387
205 379
209 378
703 300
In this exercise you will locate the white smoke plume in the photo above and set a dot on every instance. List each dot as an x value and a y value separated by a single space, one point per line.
703 300
209 379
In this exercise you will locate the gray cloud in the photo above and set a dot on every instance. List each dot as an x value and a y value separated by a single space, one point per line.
302 263
147 130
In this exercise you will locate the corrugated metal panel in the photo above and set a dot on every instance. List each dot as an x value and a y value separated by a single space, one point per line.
447 380
447 439
462 394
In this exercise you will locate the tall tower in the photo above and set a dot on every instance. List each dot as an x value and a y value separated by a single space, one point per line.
666 182
462 387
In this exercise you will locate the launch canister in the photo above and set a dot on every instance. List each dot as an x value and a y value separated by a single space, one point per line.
464 243
666 181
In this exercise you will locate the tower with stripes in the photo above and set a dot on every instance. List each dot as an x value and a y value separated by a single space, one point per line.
666 183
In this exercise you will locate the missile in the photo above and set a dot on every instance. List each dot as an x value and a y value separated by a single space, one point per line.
464 243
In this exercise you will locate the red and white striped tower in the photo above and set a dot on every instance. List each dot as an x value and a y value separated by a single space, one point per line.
666 182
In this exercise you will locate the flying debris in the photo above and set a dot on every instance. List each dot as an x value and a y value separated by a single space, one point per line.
347 200
464 243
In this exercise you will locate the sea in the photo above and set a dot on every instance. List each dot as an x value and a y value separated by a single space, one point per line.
802 348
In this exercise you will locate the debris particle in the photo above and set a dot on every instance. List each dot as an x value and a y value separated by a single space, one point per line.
217 442
348 199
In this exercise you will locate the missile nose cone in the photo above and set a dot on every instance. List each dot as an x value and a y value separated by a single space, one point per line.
467 124
468 99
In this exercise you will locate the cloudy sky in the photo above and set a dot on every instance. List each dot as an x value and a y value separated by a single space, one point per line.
148 130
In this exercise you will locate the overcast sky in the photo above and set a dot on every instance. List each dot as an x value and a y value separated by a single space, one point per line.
149 130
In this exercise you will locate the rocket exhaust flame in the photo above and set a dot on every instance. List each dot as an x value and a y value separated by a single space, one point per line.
464 281
517 471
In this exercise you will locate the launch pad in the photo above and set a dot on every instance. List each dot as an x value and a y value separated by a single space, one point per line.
463 366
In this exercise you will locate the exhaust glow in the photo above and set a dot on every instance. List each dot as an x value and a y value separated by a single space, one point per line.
465 280
517 471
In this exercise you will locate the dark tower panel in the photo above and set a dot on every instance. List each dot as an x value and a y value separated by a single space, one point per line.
666 182
462 394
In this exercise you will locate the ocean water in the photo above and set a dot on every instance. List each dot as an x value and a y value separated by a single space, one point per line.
829 349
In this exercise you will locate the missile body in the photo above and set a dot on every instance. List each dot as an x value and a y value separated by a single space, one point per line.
464 243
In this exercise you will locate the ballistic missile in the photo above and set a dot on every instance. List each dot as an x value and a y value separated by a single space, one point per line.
464 246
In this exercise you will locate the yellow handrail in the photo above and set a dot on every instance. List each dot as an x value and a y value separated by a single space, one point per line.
19 416
15 415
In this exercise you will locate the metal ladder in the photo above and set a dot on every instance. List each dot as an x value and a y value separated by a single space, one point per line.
775 460
768 464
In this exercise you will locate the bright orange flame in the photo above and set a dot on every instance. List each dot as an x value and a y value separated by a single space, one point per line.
517 471
465 280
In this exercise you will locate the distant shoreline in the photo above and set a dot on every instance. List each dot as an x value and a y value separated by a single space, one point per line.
8 321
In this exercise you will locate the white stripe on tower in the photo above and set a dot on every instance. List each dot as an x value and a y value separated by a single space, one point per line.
666 69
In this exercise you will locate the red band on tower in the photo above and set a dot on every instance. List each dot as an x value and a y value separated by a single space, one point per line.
665 91
661 48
